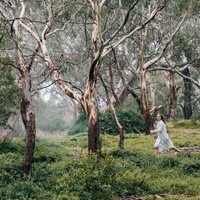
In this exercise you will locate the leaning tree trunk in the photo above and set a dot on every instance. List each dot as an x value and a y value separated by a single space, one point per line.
120 127
28 118
187 107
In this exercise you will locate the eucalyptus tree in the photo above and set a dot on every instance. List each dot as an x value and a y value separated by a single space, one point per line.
149 47
155 44
103 40
22 62
183 57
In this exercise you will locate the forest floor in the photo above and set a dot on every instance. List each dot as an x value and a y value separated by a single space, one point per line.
63 169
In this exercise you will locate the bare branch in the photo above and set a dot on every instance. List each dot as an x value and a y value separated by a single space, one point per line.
33 57
155 109
102 2
90 4
186 77
122 25
30 31
178 72
65 24
109 48
154 60
49 21
22 10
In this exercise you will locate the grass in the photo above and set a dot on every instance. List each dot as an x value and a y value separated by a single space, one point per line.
62 168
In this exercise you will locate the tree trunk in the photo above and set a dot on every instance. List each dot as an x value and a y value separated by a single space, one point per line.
121 138
148 123
93 128
93 120
120 127
171 107
28 118
187 107
111 106
93 133
145 110
144 102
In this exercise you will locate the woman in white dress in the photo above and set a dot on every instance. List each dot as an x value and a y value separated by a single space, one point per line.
163 141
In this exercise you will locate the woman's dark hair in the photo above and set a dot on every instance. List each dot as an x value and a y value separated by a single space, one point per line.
162 118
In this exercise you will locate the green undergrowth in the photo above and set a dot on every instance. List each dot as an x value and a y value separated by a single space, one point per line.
187 124
63 169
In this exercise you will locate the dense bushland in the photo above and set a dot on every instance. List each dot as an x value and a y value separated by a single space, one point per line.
62 168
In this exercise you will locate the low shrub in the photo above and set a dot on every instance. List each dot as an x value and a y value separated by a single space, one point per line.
131 122
10 146
80 125
100 178
169 162
187 124
192 169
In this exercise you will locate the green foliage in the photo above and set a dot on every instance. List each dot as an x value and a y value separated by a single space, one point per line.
192 169
131 122
187 124
184 47
185 5
8 147
170 162
64 170
80 125
9 92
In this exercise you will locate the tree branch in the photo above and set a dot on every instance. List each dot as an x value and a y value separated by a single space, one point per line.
155 109
178 72
49 21
122 25
102 2
109 48
154 60
90 4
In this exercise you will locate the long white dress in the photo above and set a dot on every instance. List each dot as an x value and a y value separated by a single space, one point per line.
163 141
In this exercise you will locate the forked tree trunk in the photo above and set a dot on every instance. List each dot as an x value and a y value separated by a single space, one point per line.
28 118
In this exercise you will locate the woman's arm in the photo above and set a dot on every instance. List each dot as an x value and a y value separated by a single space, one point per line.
154 131
158 129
